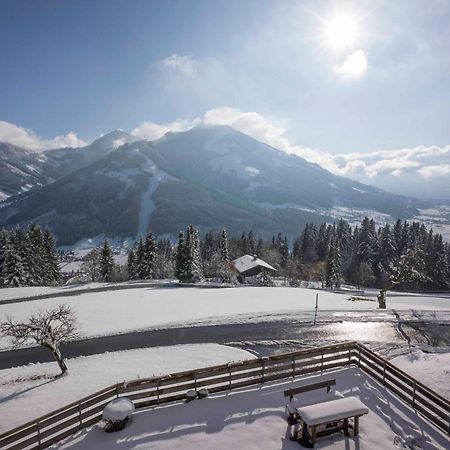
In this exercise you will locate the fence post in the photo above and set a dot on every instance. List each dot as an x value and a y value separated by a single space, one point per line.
38 434
79 416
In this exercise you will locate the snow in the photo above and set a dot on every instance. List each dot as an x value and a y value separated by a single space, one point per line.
432 369
147 203
332 410
248 262
102 313
118 409
254 419
35 384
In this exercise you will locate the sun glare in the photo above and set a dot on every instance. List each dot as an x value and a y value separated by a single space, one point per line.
341 31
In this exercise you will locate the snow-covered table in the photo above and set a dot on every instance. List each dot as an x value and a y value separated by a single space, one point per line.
327 414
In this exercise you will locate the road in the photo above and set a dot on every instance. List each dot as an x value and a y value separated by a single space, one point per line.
246 335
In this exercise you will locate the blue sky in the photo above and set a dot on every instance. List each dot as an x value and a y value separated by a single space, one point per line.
88 67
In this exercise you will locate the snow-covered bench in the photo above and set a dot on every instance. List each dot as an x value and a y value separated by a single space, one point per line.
327 417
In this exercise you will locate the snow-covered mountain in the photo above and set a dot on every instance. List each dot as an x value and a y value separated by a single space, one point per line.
210 176
22 169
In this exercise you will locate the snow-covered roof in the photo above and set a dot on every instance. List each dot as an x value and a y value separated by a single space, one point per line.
248 262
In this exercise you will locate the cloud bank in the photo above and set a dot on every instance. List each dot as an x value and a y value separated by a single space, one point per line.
26 138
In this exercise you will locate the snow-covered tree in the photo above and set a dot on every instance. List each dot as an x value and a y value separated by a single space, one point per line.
14 272
223 245
131 265
333 278
106 261
149 262
51 272
193 272
141 269
47 328
180 263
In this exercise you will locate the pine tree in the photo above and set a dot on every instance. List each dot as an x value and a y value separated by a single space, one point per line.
333 276
3 243
140 260
149 262
321 246
35 240
52 272
180 259
106 262
366 241
194 272
14 270
131 265
223 246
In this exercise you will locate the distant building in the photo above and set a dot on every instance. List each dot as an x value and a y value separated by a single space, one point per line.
250 266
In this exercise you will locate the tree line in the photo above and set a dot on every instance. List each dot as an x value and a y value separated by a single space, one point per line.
28 257
404 255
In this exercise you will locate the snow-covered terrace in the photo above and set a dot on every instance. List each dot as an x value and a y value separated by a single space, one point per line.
254 418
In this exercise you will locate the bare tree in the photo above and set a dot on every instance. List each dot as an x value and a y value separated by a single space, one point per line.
47 328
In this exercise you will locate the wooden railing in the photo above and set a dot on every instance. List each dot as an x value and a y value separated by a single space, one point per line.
57 425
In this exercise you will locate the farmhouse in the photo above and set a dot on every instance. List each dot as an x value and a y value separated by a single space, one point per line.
249 266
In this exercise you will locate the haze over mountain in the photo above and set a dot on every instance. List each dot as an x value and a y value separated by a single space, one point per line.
212 176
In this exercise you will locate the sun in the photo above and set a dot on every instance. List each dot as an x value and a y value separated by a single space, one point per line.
341 31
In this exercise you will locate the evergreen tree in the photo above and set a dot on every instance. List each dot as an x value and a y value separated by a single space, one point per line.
3 243
140 260
149 262
37 257
223 245
106 262
366 241
52 272
14 274
180 262
322 243
193 272
333 276
131 265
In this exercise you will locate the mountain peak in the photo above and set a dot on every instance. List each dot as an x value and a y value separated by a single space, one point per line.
113 139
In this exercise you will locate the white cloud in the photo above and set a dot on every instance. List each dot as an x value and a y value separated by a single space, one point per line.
184 64
24 137
432 171
354 66
151 130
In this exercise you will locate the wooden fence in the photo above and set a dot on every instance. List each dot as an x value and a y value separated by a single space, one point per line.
63 422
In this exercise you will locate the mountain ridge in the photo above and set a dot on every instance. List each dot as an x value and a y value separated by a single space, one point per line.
211 176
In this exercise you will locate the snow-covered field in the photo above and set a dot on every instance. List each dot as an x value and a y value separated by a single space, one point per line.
431 368
30 391
112 312
254 419
25 292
